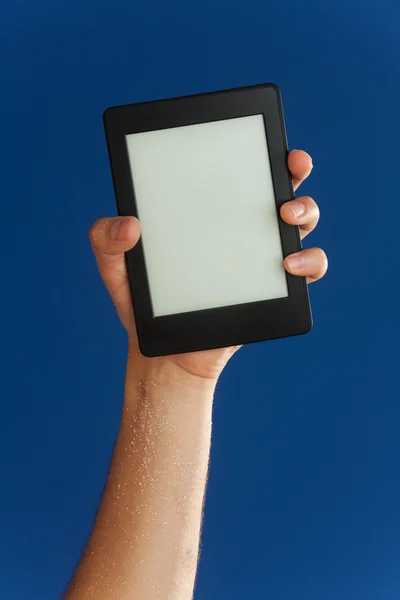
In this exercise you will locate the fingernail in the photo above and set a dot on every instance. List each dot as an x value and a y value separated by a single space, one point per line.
119 230
297 209
295 262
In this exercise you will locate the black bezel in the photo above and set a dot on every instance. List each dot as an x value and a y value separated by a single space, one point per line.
216 327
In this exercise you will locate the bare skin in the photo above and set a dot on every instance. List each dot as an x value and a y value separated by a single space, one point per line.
145 542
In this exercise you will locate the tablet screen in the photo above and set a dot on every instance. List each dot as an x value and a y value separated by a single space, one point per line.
205 200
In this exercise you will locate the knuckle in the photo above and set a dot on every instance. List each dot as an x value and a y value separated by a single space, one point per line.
323 259
92 230
312 206
310 203
97 231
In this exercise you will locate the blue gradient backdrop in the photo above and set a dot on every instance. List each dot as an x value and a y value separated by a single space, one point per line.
304 493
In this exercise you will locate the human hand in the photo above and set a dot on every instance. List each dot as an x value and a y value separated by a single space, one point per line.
112 237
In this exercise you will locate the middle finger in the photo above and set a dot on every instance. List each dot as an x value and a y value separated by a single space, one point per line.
303 212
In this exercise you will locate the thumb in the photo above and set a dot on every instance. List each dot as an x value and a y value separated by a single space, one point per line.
110 239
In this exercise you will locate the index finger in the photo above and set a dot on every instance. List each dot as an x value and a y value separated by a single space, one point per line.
300 165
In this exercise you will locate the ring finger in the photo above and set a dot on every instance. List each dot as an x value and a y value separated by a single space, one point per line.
311 263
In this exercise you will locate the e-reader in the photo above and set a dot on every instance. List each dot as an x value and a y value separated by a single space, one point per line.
206 176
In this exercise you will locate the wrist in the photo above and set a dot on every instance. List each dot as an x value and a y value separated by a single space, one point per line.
164 374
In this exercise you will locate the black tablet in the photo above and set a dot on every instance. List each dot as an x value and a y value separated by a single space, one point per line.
206 176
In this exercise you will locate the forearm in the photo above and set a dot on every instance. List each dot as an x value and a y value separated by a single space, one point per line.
146 538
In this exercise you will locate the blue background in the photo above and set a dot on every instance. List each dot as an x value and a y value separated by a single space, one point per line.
304 493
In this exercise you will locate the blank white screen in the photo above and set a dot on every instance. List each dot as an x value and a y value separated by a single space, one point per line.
206 205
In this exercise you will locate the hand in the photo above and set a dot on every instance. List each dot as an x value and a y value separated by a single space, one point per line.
111 238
